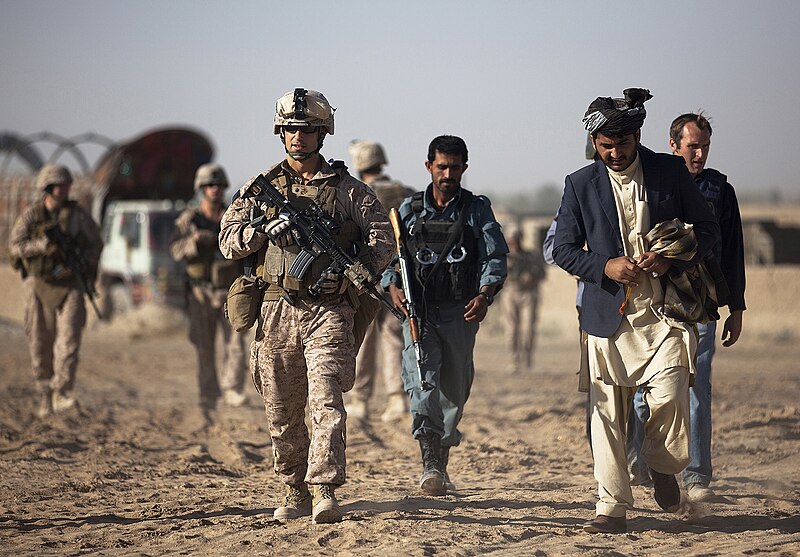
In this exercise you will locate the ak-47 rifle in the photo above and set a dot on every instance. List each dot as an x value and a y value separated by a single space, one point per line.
414 321
311 229
75 261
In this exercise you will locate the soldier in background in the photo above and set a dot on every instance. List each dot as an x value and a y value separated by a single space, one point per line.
304 351
50 240
382 347
520 299
209 275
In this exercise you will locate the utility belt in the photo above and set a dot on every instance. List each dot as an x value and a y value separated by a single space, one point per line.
273 293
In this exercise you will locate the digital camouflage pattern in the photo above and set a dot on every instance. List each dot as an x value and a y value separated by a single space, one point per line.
305 352
207 314
54 309
519 301
383 344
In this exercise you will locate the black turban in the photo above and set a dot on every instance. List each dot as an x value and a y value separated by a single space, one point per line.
617 116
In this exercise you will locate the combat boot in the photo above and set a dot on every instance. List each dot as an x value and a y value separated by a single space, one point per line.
234 398
395 408
62 401
296 503
326 509
357 408
431 481
45 405
444 457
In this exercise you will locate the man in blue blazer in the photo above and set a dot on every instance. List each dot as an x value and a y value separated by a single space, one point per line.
606 212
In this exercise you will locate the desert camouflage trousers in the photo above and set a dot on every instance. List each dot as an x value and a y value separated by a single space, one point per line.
206 318
54 338
519 307
382 350
304 353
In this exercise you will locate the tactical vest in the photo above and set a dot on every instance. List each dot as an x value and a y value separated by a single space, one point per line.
451 281
48 268
711 184
273 262
390 193
209 266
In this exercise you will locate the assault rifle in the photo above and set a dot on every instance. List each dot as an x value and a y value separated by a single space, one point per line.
75 261
410 306
311 229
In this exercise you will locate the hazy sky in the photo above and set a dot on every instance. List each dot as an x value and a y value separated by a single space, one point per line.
513 78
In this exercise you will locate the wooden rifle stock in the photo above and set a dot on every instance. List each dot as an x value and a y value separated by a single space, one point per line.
410 305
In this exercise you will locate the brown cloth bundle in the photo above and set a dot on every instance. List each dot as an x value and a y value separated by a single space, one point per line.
692 295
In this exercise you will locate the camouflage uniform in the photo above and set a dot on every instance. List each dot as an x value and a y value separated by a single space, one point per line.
55 313
210 276
385 334
520 300
304 350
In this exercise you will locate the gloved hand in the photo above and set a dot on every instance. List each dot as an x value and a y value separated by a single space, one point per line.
331 284
279 230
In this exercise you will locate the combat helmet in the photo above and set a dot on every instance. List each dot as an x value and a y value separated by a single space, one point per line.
366 154
51 174
303 107
209 174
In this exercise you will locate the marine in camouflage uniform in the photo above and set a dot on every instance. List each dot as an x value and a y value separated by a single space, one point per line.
55 313
459 263
382 347
520 300
304 349
209 275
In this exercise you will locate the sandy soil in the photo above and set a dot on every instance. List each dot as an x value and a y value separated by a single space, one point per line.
131 473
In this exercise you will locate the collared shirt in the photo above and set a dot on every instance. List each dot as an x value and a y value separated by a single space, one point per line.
645 342
492 247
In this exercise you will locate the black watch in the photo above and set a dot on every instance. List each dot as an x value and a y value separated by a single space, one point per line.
489 297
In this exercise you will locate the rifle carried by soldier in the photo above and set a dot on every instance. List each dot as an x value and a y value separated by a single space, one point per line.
75 262
414 321
311 229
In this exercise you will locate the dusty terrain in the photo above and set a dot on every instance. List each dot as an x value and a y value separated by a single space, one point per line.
130 473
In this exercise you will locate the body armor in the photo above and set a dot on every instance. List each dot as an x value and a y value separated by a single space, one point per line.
390 193
52 268
210 267
274 261
456 278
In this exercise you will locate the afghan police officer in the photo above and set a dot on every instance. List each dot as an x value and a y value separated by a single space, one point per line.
383 344
459 263
304 349
209 275
56 241
520 299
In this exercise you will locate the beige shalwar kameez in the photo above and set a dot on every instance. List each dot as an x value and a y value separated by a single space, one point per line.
649 351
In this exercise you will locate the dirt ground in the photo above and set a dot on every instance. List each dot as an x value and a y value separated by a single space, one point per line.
131 473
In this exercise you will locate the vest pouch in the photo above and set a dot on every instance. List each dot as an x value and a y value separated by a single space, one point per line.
196 269
224 273
243 305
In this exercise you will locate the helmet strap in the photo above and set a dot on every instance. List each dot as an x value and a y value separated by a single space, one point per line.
301 156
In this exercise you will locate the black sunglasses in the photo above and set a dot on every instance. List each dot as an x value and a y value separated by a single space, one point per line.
301 129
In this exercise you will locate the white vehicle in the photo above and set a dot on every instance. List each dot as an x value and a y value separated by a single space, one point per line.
136 266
